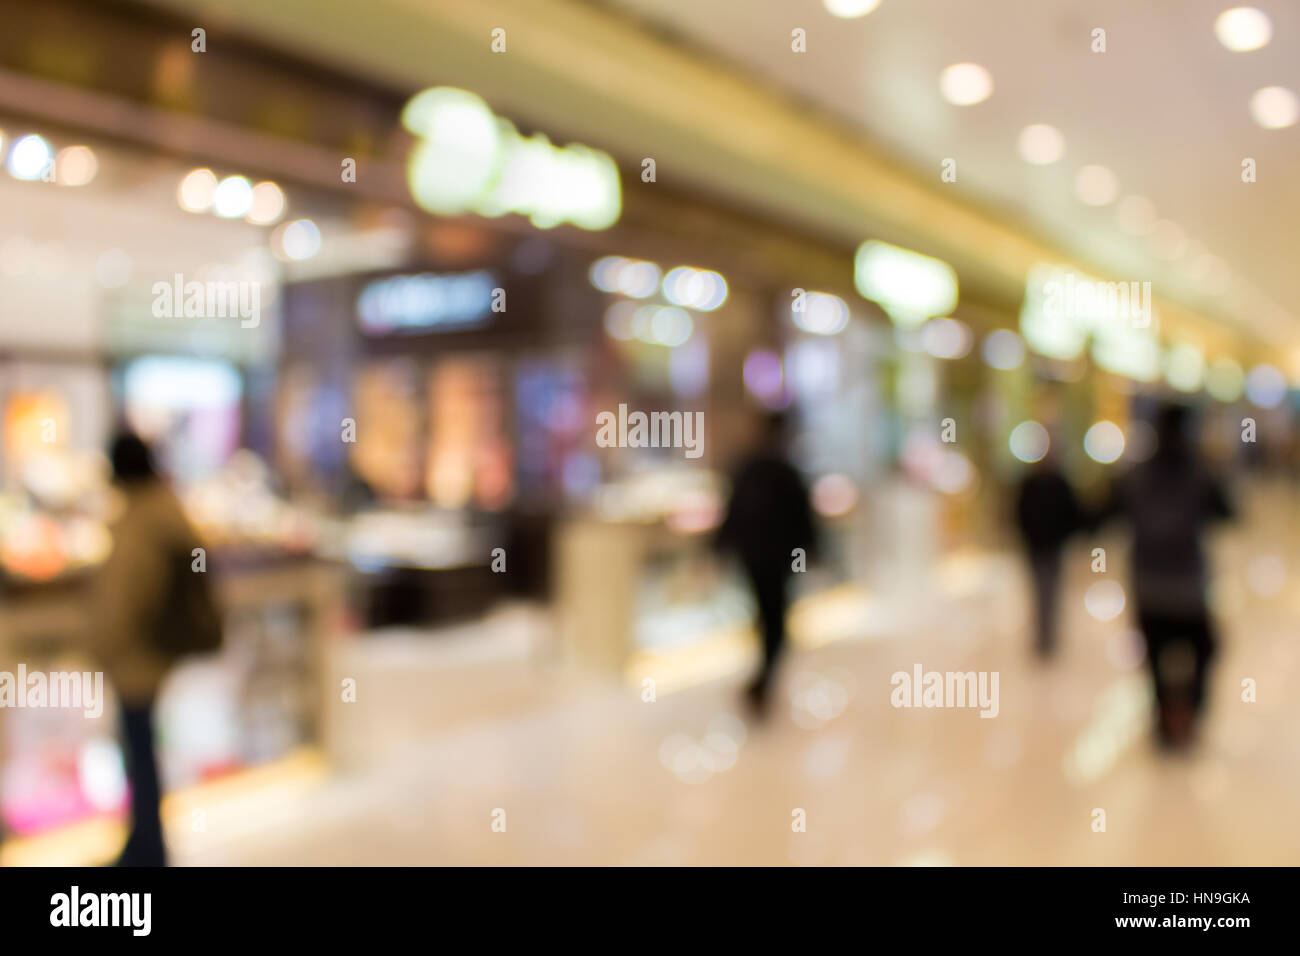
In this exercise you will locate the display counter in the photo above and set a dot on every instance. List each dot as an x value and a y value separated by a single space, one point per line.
266 693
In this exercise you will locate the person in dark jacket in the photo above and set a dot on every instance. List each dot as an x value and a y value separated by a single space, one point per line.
1170 501
1047 513
768 517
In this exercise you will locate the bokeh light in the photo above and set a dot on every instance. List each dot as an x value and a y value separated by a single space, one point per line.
1029 441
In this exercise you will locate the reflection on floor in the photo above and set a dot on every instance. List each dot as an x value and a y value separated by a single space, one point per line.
554 768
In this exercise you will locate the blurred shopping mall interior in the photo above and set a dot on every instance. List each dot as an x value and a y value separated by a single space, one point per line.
368 275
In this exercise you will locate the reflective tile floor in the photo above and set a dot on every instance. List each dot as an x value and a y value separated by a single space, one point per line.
589 773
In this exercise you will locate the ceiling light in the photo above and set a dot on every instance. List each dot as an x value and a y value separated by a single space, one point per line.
75 166
1041 144
299 239
196 190
268 204
1243 28
1273 107
964 84
848 9
29 158
233 198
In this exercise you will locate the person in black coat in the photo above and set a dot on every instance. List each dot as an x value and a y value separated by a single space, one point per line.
768 516
1169 502
1047 513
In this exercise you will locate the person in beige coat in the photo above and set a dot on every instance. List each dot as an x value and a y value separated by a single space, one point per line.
128 595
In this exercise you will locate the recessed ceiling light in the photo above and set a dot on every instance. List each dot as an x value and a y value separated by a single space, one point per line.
1274 107
1136 215
299 239
1096 185
196 190
75 166
1041 144
233 197
29 158
964 84
267 205
848 9
1243 28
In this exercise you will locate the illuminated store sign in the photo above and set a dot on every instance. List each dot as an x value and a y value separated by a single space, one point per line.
427 303
910 287
470 160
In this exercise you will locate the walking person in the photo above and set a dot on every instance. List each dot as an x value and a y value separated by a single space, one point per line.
1048 514
768 516
150 607
1170 501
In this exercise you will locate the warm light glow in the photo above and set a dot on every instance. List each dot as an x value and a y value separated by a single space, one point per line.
1104 600
1041 144
848 9
196 190
1242 29
75 166
964 84
1104 442
834 495
268 204
1274 107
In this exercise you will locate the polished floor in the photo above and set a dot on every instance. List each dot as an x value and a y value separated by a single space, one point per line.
580 772
494 752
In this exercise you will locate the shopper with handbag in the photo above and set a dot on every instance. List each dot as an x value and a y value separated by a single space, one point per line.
152 604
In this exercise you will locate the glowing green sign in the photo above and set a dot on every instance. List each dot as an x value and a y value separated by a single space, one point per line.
470 160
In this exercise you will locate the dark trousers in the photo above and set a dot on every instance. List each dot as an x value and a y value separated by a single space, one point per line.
1179 651
771 586
144 845
1045 568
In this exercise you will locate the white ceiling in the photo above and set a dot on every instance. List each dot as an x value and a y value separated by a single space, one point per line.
1166 108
